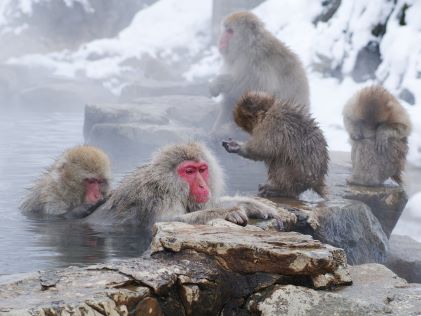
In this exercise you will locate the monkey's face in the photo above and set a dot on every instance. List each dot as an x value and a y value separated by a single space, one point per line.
196 175
225 39
94 190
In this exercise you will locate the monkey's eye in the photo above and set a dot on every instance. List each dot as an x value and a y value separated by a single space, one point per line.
229 30
189 171
91 180
203 169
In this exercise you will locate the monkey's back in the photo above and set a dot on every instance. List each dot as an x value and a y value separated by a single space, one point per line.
300 154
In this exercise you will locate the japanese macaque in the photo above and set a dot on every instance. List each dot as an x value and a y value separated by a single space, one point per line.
182 183
74 186
378 128
287 139
255 60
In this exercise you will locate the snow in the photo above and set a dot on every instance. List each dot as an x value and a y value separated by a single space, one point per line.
158 30
410 225
179 30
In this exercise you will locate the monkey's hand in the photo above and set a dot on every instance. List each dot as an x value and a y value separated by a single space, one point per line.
237 216
222 83
382 142
231 146
83 210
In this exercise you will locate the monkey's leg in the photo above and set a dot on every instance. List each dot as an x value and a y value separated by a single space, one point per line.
367 164
266 190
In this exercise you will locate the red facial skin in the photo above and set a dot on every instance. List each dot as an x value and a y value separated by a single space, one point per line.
225 39
93 192
196 175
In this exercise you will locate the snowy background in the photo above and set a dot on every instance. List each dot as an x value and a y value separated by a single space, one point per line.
110 45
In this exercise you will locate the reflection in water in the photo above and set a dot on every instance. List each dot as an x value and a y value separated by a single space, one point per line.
30 143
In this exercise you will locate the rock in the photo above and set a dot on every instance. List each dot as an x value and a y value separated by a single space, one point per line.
63 95
367 62
404 258
42 34
152 88
342 223
208 268
138 128
407 96
247 251
329 9
375 291
386 202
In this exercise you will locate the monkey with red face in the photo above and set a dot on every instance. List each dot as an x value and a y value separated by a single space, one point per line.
73 187
182 183
255 60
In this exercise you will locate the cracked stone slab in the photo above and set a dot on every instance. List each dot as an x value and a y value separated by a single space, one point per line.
250 251
375 291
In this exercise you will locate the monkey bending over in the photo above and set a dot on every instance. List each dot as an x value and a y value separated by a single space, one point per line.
182 183
378 128
287 139
255 60
73 187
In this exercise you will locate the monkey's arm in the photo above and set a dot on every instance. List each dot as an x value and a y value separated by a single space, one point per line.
235 215
222 83
260 210
246 150
83 210
353 128
386 131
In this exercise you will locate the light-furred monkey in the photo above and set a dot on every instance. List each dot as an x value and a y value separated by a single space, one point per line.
255 60
287 139
378 127
181 183
73 186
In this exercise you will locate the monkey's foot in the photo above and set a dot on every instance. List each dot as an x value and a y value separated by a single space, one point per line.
270 192
353 181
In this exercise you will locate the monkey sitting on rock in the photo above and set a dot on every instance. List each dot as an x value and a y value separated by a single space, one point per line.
287 139
73 187
378 128
182 183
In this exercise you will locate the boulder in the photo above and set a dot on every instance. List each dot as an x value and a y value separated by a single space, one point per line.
194 270
386 202
375 291
404 258
60 94
138 128
247 251
155 88
342 223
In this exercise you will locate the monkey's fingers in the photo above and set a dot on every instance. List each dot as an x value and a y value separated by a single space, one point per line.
237 217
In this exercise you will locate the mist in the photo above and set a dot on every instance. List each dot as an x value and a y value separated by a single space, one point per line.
131 76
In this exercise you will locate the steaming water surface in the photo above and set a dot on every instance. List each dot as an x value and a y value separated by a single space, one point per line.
27 145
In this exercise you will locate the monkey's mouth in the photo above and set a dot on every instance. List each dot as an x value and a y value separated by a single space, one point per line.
201 198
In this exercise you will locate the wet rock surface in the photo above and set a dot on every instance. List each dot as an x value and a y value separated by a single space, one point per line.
375 291
136 128
246 251
404 258
193 270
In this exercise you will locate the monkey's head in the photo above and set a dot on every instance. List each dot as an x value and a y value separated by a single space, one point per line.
85 171
239 31
194 169
251 109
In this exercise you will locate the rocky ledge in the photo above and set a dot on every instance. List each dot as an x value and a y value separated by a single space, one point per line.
221 269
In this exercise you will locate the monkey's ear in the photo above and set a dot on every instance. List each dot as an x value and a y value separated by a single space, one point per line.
248 101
